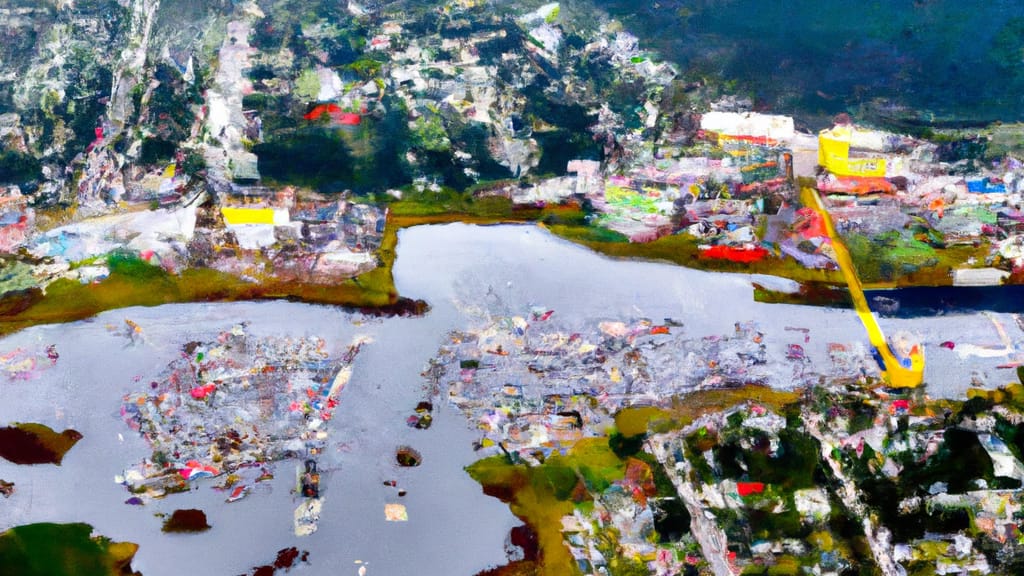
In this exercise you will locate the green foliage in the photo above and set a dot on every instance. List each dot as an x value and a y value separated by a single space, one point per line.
558 147
662 483
562 480
792 467
975 405
472 138
428 134
622 565
136 96
889 255
316 159
694 447
55 550
266 35
588 234
768 524
624 446
862 418
1011 434
129 264
16 275
156 150
194 162
170 109
671 519
366 68
258 101
596 478
383 164
553 16
307 85
1008 45
16 168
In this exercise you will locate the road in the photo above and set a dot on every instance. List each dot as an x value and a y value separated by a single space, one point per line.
714 544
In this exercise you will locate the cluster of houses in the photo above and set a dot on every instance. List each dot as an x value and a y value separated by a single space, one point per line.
305 236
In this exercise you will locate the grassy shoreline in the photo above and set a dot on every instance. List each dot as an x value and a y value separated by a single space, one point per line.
541 495
375 292
48 549
143 285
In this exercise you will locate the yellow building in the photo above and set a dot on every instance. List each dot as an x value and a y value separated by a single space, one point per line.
238 216
834 152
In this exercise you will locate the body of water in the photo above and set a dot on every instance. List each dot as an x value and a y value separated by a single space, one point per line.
465 272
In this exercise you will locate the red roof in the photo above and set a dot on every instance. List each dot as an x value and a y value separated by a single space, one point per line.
734 254
338 115
747 488
322 109
348 118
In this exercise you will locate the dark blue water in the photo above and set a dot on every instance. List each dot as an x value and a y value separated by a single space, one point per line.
927 60
932 301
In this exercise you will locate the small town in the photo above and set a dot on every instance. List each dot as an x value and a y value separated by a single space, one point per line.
386 281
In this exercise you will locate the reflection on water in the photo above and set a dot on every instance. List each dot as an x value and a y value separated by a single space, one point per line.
930 301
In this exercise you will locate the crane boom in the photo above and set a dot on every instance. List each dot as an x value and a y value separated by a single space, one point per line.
907 373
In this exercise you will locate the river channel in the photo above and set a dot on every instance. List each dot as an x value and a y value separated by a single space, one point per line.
463 271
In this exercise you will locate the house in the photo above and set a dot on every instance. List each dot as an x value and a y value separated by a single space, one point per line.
16 219
845 150
765 128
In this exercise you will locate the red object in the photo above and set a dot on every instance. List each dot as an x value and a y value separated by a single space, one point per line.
756 140
639 480
901 405
747 488
734 254
948 344
322 109
237 493
349 119
12 235
856 185
811 225
99 132
202 391
659 329
771 184
336 113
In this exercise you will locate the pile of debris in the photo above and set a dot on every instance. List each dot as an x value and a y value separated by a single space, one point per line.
533 386
233 404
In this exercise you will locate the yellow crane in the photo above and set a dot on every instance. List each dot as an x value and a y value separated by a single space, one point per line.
905 370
